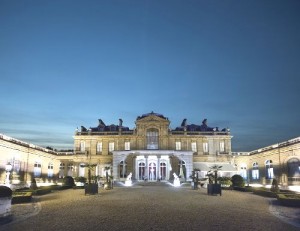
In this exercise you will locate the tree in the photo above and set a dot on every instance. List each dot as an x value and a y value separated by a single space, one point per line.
237 181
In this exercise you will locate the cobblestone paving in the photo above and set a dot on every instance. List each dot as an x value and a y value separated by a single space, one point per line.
149 207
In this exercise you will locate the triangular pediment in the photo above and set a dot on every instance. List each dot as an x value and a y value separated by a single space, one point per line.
152 118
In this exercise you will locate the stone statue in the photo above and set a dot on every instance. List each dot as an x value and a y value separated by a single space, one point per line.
129 176
183 124
120 122
101 123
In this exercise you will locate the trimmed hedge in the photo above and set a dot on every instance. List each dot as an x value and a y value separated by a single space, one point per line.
292 200
5 191
21 197
263 192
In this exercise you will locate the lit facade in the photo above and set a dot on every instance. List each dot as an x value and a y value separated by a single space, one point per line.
150 151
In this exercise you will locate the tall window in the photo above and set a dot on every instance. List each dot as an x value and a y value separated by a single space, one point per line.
82 146
70 169
37 171
127 145
293 169
111 146
269 169
182 169
244 171
222 146
205 147
50 170
122 169
99 147
163 171
194 146
177 145
152 139
255 171
61 170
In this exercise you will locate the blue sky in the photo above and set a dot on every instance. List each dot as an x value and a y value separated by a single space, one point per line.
68 63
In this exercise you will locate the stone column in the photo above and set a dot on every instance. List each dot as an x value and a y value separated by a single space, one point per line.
147 168
158 173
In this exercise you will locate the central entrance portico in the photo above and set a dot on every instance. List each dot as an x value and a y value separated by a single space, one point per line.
151 165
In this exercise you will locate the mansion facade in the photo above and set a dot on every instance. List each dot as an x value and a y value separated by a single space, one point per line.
151 151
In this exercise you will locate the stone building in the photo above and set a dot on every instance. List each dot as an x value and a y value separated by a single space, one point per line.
150 151
280 161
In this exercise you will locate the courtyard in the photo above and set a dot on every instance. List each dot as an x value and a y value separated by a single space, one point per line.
146 206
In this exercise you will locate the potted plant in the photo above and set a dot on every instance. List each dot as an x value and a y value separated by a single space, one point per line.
90 187
213 187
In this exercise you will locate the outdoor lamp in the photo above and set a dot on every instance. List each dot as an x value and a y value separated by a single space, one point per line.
8 167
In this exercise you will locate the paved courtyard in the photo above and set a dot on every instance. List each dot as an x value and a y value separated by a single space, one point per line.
148 207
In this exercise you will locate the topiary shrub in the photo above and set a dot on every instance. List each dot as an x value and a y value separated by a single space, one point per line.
275 187
5 191
237 181
68 181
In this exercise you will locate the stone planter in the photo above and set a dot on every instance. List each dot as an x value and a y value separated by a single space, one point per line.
5 204
213 189
91 188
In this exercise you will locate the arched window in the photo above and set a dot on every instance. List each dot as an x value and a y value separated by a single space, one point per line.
269 169
50 170
163 171
181 169
243 171
152 139
70 169
37 171
142 166
61 170
293 169
255 171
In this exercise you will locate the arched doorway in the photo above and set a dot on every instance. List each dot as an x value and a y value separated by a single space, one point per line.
141 170
152 171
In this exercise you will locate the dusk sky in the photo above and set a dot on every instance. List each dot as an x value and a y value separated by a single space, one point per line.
67 63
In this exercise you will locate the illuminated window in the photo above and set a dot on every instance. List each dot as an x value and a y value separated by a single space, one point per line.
142 172
177 145
222 146
70 169
37 170
194 146
269 169
111 146
50 170
205 147
243 171
82 146
293 169
255 171
127 145
122 169
99 147
152 139
163 171
182 169
61 170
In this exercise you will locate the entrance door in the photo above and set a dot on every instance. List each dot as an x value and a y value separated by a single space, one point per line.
141 171
152 171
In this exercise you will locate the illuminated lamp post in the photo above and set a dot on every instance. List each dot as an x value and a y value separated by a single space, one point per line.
8 168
